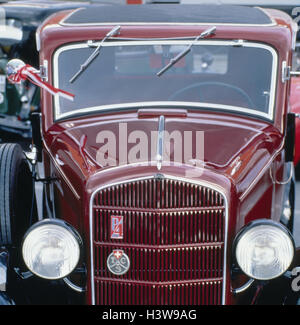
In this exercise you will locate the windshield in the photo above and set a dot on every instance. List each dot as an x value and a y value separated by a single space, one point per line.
223 75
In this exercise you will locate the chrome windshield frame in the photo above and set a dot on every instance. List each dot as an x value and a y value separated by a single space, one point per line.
90 110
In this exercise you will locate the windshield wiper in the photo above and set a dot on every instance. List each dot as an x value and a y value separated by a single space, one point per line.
113 32
173 61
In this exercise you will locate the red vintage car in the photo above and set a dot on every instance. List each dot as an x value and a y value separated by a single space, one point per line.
164 152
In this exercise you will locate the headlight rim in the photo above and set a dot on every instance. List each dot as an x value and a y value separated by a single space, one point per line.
261 222
56 222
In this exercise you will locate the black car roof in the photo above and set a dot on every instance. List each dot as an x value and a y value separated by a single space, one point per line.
210 14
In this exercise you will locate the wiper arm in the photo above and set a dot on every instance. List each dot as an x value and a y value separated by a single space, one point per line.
173 61
113 32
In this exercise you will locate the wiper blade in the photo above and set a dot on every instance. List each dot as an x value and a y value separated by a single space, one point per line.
113 32
173 61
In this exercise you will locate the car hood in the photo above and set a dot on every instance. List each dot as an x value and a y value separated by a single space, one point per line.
225 144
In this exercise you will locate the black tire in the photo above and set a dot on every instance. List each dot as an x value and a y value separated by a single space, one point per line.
16 194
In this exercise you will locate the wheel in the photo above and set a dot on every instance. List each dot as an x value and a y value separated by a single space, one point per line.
236 89
17 199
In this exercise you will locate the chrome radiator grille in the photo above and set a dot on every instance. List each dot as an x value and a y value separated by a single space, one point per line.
174 235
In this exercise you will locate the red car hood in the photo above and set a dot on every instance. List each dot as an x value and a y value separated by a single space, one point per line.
232 145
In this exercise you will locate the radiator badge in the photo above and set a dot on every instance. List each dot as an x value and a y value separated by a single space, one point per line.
118 262
116 227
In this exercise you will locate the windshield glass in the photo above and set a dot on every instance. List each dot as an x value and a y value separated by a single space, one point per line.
213 75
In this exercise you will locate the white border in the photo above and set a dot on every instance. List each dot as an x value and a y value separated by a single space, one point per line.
165 176
269 115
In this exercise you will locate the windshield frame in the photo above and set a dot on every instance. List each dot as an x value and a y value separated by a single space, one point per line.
269 116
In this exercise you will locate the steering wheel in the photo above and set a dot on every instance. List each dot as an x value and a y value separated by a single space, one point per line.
214 83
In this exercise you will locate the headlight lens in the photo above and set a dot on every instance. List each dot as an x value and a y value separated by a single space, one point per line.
51 249
264 250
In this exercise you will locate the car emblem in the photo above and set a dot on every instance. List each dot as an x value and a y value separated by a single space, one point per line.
118 262
116 227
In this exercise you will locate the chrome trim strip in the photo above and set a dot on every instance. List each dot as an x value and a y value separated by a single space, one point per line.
243 287
151 163
73 286
140 105
167 24
166 176
144 39
269 115
160 142
285 72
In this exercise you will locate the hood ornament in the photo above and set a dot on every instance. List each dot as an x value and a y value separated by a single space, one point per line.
160 142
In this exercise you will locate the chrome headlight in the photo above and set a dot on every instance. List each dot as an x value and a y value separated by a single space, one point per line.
51 249
264 249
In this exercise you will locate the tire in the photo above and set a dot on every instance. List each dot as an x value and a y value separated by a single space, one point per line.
16 194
